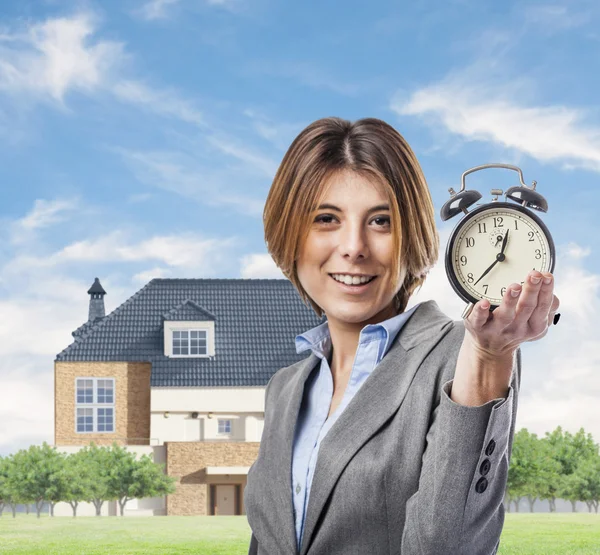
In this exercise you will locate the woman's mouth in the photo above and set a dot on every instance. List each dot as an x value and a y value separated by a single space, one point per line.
356 289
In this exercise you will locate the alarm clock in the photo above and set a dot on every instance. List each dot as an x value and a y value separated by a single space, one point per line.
497 243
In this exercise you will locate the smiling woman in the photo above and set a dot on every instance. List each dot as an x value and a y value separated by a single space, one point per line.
366 448
330 160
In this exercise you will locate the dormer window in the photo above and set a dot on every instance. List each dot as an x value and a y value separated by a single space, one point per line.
189 331
189 342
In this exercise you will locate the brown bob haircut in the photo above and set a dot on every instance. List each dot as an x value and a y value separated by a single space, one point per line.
376 151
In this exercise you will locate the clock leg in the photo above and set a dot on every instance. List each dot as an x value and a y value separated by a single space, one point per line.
467 310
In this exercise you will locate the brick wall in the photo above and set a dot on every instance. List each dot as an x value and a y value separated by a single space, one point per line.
187 461
132 402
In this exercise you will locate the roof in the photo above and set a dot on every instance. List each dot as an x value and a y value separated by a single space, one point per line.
256 323
97 288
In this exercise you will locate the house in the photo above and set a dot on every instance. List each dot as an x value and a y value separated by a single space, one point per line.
179 371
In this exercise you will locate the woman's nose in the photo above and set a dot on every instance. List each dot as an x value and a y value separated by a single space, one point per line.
353 241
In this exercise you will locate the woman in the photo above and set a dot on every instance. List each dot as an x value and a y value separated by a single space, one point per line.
394 435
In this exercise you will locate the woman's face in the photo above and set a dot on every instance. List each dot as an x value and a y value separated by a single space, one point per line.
352 235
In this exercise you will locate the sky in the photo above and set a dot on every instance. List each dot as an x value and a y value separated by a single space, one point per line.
139 139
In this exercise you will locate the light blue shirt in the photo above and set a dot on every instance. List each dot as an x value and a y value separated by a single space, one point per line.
312 425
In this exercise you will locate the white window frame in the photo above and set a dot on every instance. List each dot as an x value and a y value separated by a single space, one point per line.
95 405
206 339
229 425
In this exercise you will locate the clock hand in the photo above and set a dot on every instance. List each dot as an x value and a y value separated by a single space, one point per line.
504 242
487 271
498 259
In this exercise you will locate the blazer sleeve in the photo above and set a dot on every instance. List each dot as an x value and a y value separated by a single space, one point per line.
458 505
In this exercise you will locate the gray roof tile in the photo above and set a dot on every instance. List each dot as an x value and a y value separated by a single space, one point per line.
256 322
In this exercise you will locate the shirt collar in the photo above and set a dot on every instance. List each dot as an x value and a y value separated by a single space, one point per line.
318 338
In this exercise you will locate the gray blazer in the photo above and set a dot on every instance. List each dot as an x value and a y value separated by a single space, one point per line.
404 470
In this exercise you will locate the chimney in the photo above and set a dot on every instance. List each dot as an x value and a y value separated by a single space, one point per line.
96 293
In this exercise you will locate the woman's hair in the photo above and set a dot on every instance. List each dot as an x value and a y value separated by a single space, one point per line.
375 150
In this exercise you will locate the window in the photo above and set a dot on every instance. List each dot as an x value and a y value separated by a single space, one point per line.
224 426
189 342
94 405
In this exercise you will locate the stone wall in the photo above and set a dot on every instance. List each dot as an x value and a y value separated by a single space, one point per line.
187 461
132 402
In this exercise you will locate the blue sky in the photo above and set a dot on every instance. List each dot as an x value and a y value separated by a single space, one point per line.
139 139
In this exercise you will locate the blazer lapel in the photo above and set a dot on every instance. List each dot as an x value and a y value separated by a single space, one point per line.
279 461
375 402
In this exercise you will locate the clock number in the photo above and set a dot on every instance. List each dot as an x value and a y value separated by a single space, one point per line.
499 223
470 278
516 226
530 233
538 254
470 241
502 291
463 260
486 288
480 228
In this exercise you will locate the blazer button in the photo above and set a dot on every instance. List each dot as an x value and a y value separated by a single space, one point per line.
481 486
485 467
490 448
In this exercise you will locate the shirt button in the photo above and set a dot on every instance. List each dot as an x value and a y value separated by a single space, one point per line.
298 488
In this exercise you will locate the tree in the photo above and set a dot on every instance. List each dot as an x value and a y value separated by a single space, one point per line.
4 462
131 479
58 483
32 473
585 481
151 480
522 469
92 465
569 451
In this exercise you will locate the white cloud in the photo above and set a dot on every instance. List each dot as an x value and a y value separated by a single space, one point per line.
551 18
259 266
229 146
162 102
280 134
156 9
467 105
55 56
48 60
309 75
163 9
197 179
45 213
142 278
184 250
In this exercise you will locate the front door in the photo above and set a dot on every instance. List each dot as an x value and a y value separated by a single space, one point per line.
225 500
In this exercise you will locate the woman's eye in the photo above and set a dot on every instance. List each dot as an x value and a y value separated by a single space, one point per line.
328 217
384 218
323 217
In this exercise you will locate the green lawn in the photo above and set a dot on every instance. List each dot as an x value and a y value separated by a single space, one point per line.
524 533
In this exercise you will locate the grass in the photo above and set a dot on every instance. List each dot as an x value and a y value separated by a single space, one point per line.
523 534
550 534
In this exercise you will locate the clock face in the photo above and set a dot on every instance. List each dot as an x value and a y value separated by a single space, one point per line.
476 245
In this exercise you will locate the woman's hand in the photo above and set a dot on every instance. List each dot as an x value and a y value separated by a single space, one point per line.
486 358
525 317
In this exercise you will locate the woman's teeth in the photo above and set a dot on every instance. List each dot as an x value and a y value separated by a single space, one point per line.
350 280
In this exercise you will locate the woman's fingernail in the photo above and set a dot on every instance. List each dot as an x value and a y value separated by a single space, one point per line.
556 318
515 292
